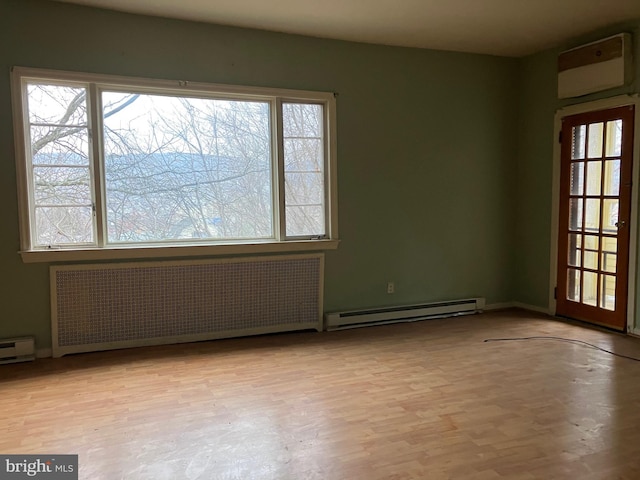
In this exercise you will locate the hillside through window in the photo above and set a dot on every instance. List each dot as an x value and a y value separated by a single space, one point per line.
114 164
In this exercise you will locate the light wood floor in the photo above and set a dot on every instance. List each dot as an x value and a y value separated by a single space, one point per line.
427 400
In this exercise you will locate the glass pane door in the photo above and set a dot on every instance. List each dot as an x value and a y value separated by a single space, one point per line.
594 215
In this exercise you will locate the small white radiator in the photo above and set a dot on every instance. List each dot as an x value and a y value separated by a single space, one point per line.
107 306
404 313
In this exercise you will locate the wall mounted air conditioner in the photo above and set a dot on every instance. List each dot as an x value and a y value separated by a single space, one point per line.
595 67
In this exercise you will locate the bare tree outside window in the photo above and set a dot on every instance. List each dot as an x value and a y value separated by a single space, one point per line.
60 168
303 165
183 168
170 168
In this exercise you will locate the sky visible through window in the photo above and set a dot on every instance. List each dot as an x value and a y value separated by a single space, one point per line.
175 168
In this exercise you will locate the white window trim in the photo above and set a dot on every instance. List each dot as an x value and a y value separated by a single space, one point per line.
172 250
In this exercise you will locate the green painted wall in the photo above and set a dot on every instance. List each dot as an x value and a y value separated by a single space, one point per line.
538 104
426 147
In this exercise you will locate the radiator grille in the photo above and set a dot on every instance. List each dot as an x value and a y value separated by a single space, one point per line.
108 306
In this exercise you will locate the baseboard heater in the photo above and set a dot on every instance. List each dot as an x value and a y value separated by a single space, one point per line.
14 350
404 313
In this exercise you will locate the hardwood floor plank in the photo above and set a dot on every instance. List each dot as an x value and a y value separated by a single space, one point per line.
427 399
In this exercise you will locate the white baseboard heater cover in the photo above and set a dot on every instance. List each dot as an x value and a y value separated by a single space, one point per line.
14 350
108 306
404 313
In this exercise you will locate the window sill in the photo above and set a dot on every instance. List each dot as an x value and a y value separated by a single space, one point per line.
175 251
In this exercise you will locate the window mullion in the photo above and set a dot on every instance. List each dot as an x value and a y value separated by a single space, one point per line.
280 214
96 163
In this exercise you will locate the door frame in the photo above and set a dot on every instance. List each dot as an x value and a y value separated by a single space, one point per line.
604 104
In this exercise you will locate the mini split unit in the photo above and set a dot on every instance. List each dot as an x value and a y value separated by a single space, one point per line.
595 67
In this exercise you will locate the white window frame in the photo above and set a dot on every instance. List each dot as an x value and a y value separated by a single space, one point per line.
97 82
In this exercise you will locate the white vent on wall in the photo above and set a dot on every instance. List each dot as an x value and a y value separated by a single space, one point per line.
404 313
106 306
13 350
595 67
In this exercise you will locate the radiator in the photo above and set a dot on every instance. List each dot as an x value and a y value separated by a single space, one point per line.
404 313
108 306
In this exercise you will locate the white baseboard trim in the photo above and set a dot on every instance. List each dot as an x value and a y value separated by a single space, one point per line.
498 306
44 353
533 308
523 306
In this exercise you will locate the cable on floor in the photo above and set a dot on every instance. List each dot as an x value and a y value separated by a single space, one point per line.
562 339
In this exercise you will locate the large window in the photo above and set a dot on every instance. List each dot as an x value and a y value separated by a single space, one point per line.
110 162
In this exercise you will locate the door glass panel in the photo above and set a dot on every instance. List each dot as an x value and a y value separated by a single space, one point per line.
590 286
577 143
595 140
594 177
608 289
591 259
592 214
577 178
610 215
612 177
575 251
614 138
609 262
592 242
610 244
609 254
575 213
573 285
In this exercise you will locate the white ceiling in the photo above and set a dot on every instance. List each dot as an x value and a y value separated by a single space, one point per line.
498 27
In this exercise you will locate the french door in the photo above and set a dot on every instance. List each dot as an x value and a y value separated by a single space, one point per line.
595 204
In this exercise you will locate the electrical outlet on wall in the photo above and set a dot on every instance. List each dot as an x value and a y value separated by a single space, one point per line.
391 288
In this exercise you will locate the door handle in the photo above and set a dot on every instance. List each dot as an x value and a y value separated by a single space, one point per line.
620 224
